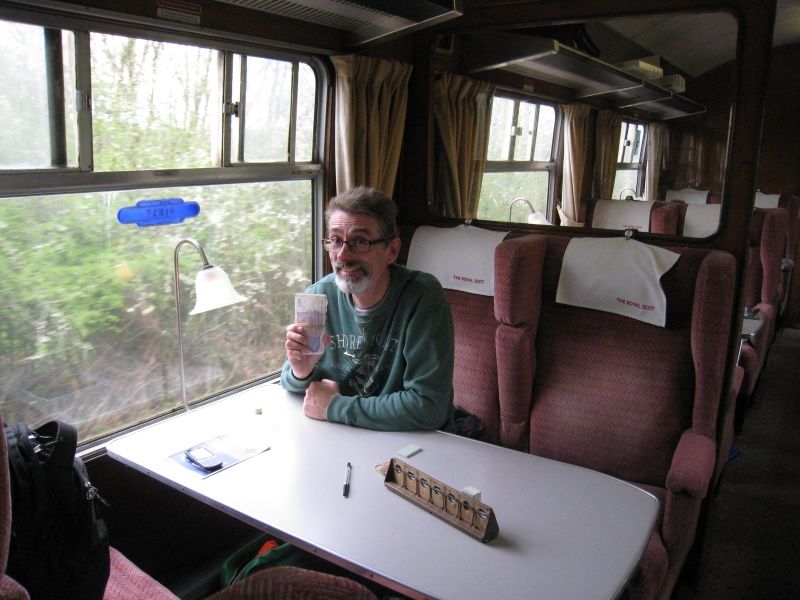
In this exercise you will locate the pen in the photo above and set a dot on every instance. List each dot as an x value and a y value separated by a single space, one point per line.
346 488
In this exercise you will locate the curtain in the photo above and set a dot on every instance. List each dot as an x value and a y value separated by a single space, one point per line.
371 101
576 147
656 136
462 110
607 130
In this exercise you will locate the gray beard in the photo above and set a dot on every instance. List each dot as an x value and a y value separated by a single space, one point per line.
351 287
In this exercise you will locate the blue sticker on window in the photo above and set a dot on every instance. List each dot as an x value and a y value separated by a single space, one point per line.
158 212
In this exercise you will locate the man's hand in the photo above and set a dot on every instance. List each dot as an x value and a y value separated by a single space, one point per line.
318 397
296 347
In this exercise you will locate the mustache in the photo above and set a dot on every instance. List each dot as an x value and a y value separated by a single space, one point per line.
351 264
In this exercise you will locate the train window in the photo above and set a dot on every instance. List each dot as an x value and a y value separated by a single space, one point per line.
520 159
145 92
88 322
629 178
39 119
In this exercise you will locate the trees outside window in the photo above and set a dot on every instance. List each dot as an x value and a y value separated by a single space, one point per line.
95 122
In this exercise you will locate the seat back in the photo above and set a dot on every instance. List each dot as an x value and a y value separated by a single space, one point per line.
667 217
766 248
493 344
792 206
620 214
615 394
9 588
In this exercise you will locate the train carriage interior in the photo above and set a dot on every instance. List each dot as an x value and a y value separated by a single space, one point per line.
628 172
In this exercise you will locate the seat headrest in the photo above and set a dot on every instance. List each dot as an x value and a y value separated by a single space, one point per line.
622 214
701 220
688 195
461 258
616 275
767 200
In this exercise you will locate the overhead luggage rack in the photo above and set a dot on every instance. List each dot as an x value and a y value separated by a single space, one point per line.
549 60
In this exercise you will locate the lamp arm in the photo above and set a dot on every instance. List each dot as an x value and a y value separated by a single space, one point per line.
202 254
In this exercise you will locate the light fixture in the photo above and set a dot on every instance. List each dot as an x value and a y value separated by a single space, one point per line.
213 290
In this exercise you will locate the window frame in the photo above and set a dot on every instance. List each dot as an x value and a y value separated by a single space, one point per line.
59 180
530 166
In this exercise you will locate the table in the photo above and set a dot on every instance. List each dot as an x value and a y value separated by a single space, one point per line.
566 532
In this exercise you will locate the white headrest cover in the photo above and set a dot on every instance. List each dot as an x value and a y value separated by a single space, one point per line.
767 200
461 258
701 220
622 214
616 275
688 195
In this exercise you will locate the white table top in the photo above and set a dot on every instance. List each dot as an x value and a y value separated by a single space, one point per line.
565 532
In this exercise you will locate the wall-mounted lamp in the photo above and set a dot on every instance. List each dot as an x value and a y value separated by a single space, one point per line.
213 290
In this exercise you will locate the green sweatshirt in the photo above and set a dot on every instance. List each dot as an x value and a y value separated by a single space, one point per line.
394 364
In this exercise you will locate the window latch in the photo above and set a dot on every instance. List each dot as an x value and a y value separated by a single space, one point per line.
231 108
83 101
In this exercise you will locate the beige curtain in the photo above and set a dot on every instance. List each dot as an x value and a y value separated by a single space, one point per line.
462 109
576 147
656 138
371 101
607 130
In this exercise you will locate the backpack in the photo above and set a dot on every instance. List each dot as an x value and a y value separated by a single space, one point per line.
59 540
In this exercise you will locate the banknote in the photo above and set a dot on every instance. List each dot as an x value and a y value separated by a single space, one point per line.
309 311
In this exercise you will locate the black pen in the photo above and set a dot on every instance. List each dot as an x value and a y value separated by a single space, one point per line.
346 488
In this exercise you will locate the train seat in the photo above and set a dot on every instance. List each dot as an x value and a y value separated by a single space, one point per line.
10 589
126 581
621 214
666 218
691 196
494 359
279 583
792 205
635 400
762 289
700 220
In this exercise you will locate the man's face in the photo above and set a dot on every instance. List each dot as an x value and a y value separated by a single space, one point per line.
359 273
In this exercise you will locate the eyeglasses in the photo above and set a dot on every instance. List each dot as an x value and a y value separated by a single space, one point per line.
358 245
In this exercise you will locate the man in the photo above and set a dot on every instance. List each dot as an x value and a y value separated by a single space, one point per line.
388 361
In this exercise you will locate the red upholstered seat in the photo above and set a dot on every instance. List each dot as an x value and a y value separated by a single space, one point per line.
792 206
281 583
762 288
9 588
666 218
129 582
638 401
494 359
126 581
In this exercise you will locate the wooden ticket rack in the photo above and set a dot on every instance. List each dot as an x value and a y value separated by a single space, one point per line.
449 504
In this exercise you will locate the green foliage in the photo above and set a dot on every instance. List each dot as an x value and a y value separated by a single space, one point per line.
87 310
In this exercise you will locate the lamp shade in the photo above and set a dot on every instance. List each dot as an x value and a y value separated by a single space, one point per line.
213 290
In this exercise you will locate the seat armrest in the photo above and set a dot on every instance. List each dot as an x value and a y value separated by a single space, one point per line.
692 465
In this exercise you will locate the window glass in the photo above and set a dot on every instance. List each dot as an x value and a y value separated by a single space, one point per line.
88 330
306 102
268 110
499 190
25 136
526 129
520 160
501 129
629 178
153 104
544 133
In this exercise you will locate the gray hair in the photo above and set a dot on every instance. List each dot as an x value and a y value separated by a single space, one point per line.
368 201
